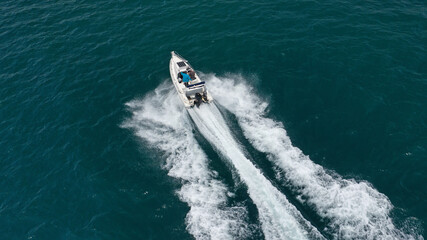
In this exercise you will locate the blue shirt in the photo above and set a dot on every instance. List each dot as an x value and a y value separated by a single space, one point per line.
185 77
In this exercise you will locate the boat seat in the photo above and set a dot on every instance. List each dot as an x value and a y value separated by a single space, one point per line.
196 84
193 91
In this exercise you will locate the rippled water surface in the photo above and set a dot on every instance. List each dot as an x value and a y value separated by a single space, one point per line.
318 130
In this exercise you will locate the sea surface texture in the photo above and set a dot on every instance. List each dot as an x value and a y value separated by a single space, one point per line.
318 129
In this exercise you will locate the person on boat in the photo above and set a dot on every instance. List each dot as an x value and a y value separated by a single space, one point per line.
185 78
191 73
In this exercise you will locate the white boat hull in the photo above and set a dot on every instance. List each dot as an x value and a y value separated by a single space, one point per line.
195 93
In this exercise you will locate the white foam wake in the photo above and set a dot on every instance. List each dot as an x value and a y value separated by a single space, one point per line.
279 219
161 121
353 210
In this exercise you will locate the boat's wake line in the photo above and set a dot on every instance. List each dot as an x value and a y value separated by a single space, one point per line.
161 121
353 210
279 218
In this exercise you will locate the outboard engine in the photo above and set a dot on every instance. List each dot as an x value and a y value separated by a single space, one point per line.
198 99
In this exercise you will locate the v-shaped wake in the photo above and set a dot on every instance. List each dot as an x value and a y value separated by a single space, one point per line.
279 218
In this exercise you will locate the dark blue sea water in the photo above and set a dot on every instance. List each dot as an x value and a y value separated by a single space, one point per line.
318 129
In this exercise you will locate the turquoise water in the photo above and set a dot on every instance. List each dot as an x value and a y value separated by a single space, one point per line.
320 118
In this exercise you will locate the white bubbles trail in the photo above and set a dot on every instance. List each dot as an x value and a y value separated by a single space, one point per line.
352 209
160 120
279 218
